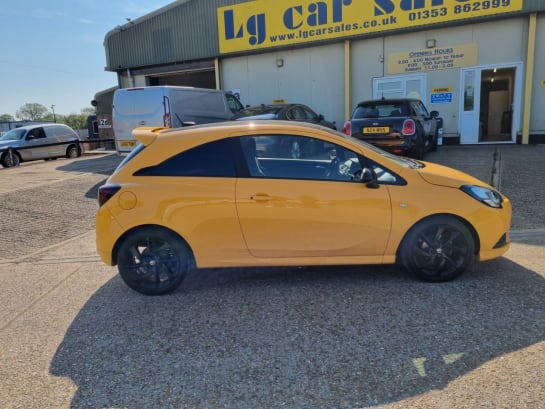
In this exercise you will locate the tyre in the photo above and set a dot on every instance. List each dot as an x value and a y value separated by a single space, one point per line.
419 148
153 260
73 152
438 249
10 159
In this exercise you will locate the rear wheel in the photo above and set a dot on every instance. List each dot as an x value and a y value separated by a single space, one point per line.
419 148
73 152
153 260
438 249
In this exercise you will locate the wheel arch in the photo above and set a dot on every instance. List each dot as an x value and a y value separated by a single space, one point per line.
75 145
469 226
120 240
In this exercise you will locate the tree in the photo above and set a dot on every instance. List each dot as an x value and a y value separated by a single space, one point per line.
31 112
6 118
77 121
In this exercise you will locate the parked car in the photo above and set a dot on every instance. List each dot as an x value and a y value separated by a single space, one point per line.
201 197
33 142
402 126
287 112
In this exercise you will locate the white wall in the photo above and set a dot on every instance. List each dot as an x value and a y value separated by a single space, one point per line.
537 119
312 76
315 76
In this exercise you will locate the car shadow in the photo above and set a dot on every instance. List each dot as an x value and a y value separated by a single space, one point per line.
103 164
340 337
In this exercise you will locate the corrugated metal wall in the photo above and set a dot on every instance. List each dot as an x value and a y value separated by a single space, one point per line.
183 31
186 30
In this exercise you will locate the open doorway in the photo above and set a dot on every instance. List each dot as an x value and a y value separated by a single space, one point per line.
497 98
491 103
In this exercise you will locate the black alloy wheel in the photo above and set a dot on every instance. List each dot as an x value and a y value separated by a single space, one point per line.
153 260
438 249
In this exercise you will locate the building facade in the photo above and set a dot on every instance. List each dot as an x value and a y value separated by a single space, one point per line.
478 62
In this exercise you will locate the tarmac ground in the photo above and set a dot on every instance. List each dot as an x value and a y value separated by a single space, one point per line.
73 335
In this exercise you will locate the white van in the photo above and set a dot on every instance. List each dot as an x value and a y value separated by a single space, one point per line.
42 141
168 106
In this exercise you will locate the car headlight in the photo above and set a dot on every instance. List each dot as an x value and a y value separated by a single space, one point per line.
483 194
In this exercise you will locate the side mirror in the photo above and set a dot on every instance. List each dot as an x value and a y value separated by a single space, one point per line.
434 114
369 177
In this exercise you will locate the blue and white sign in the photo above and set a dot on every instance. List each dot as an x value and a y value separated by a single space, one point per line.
441 98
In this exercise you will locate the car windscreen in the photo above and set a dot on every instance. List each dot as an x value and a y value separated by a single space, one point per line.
258 113
13 135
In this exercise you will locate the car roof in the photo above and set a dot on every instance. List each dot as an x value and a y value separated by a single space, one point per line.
147 135
46 125
386 101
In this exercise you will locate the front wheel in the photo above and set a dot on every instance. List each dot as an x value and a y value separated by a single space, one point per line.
438 249
10 159
153 260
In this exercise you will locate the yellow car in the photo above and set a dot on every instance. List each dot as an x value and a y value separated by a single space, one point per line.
232 194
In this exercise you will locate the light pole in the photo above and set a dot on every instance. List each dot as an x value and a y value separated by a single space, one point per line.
53 109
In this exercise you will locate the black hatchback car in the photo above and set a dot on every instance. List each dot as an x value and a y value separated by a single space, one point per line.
285 112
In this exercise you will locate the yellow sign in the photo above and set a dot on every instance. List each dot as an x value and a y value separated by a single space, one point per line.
439 90
257 24
432 59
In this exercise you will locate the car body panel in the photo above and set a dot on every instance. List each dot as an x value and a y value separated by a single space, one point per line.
287 218
267 221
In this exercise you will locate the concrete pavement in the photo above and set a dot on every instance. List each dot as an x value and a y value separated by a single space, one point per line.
72 335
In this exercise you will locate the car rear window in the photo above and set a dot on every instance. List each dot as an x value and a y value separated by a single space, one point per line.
213 159
379 110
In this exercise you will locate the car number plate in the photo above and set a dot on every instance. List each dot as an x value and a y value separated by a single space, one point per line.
376 129
126 143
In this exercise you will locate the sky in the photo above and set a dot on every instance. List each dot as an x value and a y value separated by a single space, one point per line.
52 51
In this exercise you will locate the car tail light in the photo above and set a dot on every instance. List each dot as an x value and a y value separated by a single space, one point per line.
105 192
347 128
167 120
409 127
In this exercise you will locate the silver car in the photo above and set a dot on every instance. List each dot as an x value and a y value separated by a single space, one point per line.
33 142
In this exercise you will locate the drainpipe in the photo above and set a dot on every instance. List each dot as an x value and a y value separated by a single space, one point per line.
217 71
346 80
530 57
130 77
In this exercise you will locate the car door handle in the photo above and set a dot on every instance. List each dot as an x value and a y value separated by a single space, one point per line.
261 197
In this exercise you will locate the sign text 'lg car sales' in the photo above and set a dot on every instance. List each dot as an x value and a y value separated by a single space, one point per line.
256 24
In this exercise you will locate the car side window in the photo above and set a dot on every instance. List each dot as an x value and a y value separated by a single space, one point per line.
419 109
233 102
35 133
213 159
309 115
298 157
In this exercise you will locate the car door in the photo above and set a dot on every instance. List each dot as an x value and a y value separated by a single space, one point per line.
306 212
35 144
